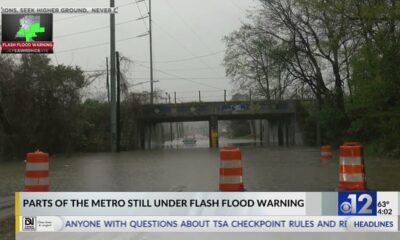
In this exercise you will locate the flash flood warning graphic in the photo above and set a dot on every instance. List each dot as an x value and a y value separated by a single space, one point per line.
30 26
27 33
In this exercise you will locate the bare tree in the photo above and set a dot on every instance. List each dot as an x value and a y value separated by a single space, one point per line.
253 61
319 42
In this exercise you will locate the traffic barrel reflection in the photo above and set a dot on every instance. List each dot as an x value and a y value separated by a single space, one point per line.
326 152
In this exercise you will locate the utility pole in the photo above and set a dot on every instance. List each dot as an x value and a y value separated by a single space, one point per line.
175 97
250 95
151 55
199 96
318 120
151 69
224 95
170 123
118 104
108 82
112 94
176 123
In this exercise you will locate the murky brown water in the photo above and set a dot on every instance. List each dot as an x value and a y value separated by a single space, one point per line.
194 169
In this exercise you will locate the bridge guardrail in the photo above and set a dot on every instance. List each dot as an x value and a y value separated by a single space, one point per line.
204 109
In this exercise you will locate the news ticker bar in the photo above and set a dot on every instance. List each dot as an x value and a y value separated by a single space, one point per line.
209 224
55 10
217 211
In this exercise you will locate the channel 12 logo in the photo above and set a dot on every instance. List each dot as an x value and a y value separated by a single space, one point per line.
357 204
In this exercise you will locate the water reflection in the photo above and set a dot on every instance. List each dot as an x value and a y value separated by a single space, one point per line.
204 142
196 168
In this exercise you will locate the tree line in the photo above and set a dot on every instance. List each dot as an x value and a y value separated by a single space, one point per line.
343 54
43 106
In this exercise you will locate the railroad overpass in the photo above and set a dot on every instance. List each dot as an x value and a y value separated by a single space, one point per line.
282 113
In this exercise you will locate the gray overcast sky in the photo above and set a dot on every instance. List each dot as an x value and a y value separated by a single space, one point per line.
182 29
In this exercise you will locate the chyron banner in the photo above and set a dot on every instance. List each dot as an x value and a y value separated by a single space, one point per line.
27 33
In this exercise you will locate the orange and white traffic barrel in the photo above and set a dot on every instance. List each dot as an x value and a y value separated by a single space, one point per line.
231 171
37 172
326 152
351 169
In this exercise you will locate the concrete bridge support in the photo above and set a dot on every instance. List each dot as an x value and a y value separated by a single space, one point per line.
259 134
158 134
149 135
261 131
180 130
279 131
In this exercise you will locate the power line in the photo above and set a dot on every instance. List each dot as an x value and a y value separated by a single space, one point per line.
146 5
93 29
198 91
167 61
189 27
184 69
182 78
173 79
141 15
238 7
203 97
211 78
187 59
95 45
85 47
184 47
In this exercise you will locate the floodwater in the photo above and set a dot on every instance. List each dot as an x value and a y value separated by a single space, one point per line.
178 167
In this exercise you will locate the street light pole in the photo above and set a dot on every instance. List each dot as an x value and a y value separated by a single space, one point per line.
318 120
151 55
108 82
118 103
112 81
151 69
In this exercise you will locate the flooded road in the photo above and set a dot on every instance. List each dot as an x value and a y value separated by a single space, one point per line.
178 167
196 169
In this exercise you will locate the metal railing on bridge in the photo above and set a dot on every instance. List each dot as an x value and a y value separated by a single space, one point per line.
161 97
